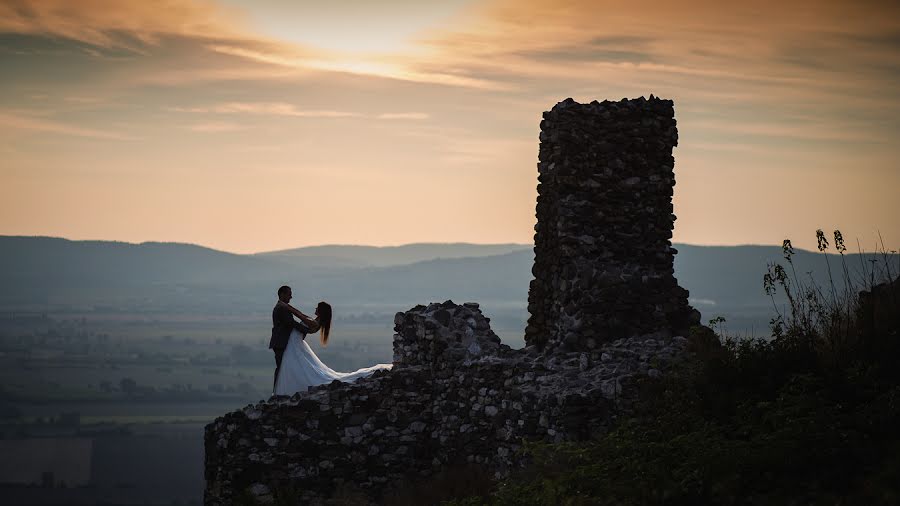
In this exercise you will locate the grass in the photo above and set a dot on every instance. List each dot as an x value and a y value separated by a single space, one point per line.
806 416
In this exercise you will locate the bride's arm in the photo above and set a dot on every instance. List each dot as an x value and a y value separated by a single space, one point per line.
310 323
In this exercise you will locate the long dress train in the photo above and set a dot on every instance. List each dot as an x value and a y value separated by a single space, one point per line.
301 368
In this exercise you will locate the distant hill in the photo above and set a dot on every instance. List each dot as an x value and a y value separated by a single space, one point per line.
37 271
728 280
46 259
40 272
498 278
387 256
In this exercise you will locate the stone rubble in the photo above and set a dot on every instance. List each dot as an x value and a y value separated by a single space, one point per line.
442 402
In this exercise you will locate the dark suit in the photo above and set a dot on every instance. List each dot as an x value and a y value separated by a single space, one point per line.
282 324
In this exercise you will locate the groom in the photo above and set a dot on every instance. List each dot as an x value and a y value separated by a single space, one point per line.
282 324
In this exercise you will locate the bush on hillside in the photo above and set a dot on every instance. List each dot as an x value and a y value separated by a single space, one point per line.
809 416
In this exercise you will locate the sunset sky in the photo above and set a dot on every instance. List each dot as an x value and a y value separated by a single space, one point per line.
254 125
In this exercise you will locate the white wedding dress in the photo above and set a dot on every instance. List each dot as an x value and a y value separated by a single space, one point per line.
301 368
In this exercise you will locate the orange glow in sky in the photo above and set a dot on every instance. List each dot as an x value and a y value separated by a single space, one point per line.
260 125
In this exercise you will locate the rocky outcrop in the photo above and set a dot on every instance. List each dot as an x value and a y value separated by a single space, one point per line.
455 394
604 262
605 308
441 336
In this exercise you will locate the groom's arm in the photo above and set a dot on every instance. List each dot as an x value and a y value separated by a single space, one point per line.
287 319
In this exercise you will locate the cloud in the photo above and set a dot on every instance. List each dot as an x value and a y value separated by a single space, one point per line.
108 26
532 42
804 129
403 115
395 67
176 76
266 108
279 109
510 45
615 49
76 99
17 122
113 23
216 127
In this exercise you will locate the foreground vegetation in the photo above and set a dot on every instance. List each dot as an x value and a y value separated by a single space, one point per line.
809 416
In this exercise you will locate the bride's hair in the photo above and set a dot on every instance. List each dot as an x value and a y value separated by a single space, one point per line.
323 313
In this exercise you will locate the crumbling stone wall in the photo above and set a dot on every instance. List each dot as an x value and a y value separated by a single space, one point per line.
603 263
455 394
439 337
605 312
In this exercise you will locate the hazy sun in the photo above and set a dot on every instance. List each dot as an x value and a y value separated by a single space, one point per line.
349 26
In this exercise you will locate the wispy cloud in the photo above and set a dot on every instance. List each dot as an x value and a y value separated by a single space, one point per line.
112 23
19 122
266 108
403 115
179 77
533 41
391 67
283 109
137 26
83 100
794 130
216 127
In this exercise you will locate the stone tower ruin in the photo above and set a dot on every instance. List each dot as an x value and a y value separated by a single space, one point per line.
603 265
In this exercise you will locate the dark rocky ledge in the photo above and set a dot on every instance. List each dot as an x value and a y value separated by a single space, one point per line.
455 393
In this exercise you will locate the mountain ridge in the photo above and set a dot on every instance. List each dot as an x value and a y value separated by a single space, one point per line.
37 272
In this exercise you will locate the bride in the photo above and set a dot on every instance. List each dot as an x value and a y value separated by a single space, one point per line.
301 368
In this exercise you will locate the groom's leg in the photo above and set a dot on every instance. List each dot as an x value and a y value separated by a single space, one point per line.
279 353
